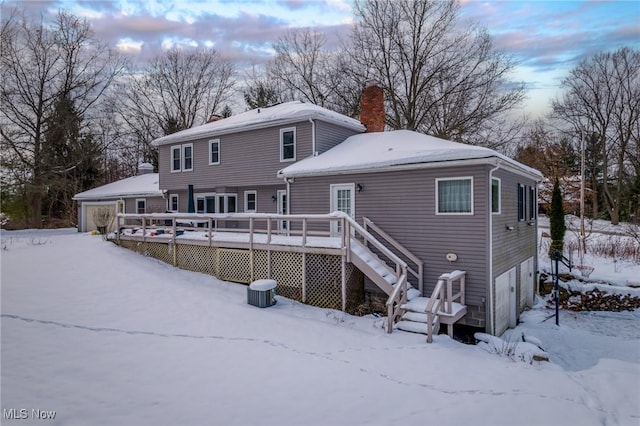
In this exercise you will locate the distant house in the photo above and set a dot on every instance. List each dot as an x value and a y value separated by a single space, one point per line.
450 206
137 194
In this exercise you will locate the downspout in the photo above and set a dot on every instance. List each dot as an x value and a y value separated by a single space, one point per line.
491 283
313 140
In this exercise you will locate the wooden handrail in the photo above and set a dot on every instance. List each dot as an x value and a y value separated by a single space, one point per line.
433 307
395 301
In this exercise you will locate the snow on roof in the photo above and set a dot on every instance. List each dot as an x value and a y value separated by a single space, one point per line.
142 185
287 112
372 151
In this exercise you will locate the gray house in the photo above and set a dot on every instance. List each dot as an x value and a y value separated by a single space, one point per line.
136 194
454 206
448 206
231 165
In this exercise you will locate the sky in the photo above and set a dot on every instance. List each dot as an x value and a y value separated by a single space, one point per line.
547 38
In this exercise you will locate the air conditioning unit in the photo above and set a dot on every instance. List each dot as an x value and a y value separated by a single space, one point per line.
262 293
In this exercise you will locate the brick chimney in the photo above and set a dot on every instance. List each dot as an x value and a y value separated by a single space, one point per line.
372 108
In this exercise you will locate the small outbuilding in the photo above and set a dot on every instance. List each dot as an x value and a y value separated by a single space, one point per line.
137 194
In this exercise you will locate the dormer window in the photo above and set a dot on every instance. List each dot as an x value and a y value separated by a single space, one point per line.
288 144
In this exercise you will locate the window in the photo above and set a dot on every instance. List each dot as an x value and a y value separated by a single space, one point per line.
521 202
182 158
495 195
187 153
141 205
120 206
454 196
174 204
175 158
532 203
200 205
288 144
214 152
250 201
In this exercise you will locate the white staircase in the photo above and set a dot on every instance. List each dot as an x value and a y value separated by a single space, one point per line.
425 314
415 313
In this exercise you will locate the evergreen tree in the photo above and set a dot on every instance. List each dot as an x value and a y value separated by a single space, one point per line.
556 220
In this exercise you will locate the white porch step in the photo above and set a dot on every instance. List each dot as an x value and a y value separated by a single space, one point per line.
412 293
419 304
411 326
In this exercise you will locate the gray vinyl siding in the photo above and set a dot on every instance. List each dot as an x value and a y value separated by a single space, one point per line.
329 135
403 204
250 158
512 247
264 194
153 204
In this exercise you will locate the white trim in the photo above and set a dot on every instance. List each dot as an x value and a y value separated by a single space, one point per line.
489 161
283 225
145 205
454 213
170 204
246 201
217 142
499 195
282 132
179 148
532 207
184 157
333 190
523 217
85 204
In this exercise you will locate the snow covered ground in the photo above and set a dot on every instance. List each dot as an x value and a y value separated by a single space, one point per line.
101 335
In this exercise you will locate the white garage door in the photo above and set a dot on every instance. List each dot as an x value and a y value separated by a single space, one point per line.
505 306
88 209
527 278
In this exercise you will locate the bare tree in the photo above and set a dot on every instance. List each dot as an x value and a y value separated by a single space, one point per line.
179 89
303 68
601 106
40 63
439 77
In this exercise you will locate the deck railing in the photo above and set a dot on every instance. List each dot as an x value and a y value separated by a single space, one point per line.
337 226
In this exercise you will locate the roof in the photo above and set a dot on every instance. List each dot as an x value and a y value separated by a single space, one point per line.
288 112
145 185
370 152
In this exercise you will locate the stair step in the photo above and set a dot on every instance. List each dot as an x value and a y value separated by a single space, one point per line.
419 304
415 317
413 327
412 293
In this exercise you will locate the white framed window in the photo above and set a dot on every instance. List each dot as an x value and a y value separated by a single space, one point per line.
176 155
532 203
214 152
496 199
121 205
173 203
141 205
522 201
454 196
187 157
288 144
250 201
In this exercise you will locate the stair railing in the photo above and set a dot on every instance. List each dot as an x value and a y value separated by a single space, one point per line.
395 302
419 265
433 307
398 297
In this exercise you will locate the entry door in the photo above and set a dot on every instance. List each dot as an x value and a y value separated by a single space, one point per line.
505 301
526 283
342 200
282 209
